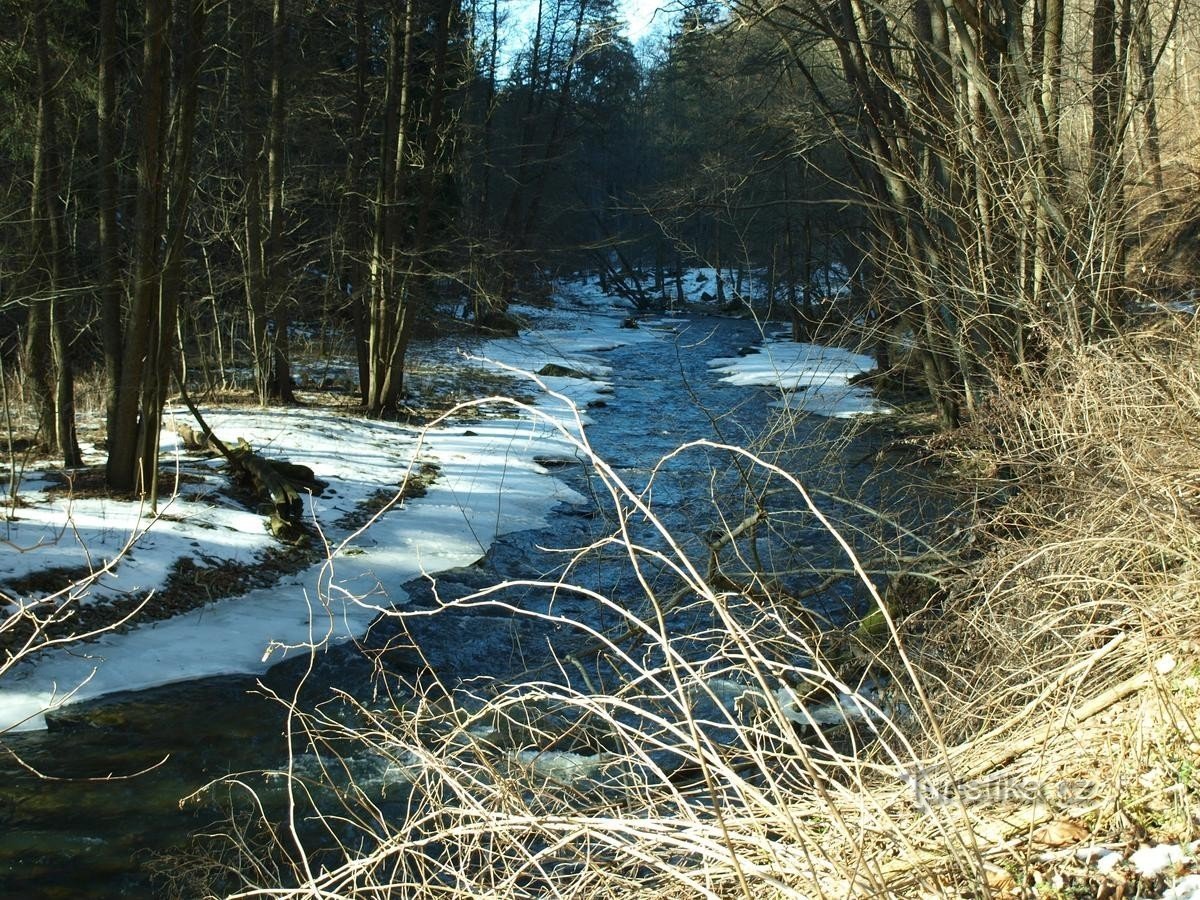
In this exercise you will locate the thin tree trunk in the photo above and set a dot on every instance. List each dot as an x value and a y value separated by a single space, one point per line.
789 257
1051 73
1144 36
253 264
387 306
280 385
354 271
519 228
1105 91
107 235
39 362
51 375
412 292
1105 182
717 261
178 175
68 438
537 189
485 193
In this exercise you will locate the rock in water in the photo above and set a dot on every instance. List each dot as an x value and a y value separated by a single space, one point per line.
554 370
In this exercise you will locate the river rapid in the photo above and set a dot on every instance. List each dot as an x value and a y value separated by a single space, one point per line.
96 798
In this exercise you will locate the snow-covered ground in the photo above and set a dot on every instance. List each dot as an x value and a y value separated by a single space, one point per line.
815 379
490 482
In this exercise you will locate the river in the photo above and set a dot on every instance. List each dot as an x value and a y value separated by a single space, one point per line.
92 823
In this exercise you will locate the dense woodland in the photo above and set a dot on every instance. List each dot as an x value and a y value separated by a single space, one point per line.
185 180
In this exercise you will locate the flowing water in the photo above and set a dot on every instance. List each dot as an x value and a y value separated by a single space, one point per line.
87 823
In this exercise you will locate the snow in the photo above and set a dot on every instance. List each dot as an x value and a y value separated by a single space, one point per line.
1187 888
80 534
562 766
489 483
815 378
1151 861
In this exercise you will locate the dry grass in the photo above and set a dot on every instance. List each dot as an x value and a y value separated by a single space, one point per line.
1064 654
1100 545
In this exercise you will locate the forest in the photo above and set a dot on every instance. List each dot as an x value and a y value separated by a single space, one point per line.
836 665
186 181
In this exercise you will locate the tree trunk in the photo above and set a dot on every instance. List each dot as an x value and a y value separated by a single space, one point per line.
178 176
68 438
254 277
1104 89
789 255
353 270
720 287
39 364
531 189
125 472
1050 47
150 330
1144 36
1105 256
107 235
386 304
50 375
280 383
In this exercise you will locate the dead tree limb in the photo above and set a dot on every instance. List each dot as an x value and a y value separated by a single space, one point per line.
276 482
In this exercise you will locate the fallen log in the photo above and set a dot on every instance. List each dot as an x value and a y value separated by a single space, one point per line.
277 483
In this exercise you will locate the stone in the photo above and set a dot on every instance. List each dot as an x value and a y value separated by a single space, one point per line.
554 370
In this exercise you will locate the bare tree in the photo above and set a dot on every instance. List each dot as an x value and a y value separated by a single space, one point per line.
991 248
400 266
280 382
48 364
163 197
264 274
253 262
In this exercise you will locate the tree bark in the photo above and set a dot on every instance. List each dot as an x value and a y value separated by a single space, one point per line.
387 306
1105 93
354 271
178 177
1144 37
39 364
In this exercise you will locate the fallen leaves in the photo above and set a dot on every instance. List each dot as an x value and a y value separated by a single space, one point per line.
1059 833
